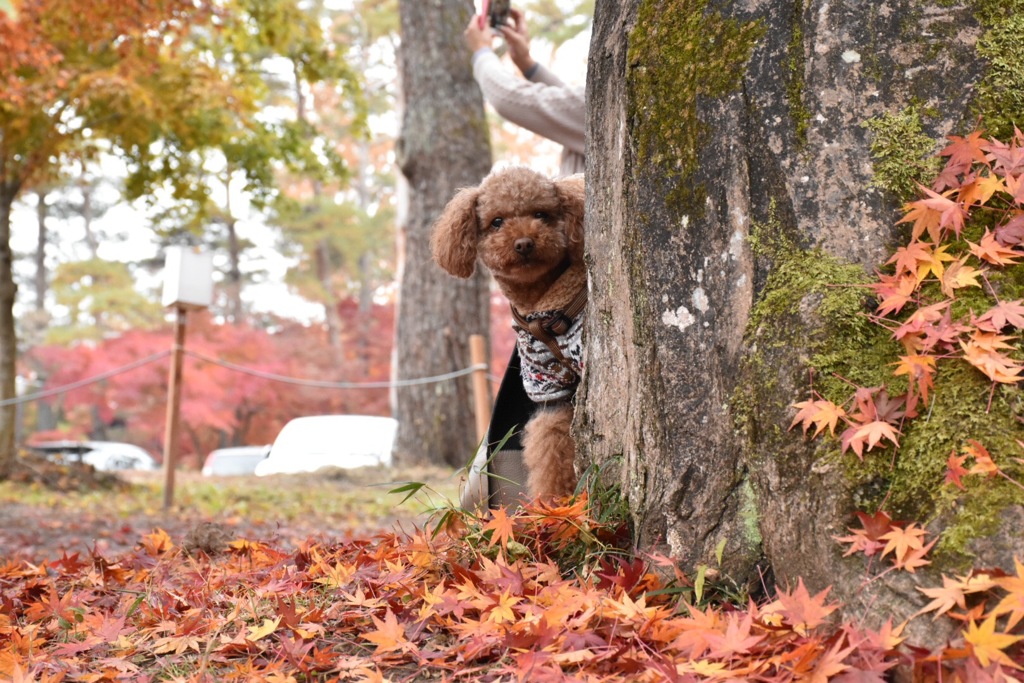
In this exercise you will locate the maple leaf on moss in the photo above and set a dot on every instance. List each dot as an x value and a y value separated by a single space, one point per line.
981 189
982 351
933 214
1002 314
989 249
966 151
955 469
983 463
861 437
959 275
894 292
919 370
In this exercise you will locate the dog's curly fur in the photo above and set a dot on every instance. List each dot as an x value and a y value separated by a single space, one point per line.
528 231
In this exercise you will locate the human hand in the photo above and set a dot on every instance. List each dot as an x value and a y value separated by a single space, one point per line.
478 34
517 38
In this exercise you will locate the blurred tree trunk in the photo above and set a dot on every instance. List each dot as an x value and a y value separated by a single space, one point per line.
712 123
443 145
8 339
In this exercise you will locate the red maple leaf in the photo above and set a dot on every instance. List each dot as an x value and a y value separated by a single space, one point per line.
955 469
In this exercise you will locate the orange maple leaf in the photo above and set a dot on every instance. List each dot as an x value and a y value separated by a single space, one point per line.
820 413
157 542
955 469
894 291
981 189
989 249
389 635
902 540
982 351
919 369
952 593
1013 603
957 276
501 527
983 463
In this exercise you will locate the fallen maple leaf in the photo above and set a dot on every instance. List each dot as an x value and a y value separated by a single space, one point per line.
820 413
868 435
389 634
987 644
802 611
901 540
955 469
500 527
989 249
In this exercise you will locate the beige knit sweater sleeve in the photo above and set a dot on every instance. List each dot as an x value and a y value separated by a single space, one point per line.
544 105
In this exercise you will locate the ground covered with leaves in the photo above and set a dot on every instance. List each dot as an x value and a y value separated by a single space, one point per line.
545 593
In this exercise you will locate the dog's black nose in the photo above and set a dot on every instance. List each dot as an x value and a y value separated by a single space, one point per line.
524 245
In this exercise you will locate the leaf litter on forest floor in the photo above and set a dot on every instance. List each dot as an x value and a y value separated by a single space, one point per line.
541 593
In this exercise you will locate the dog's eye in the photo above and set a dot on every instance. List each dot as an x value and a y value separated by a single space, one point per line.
496 223
542 216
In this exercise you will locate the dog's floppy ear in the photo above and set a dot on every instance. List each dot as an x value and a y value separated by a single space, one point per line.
454 236
571 195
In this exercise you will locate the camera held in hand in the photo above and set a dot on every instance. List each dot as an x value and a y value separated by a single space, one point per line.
498 13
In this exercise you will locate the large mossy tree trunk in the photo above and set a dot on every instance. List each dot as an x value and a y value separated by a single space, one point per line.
730 209
443 145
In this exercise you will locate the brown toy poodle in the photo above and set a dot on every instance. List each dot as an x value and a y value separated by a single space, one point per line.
528 231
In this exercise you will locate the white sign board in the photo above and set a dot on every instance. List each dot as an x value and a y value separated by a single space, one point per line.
188 278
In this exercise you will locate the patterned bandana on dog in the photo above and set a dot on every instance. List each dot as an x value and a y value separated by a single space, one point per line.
545 377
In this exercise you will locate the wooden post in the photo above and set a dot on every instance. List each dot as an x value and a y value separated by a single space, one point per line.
481 388
173 405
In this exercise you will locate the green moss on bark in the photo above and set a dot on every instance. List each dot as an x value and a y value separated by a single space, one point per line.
815 305
679 52
902 155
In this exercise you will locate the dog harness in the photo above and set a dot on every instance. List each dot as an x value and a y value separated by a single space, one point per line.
550 347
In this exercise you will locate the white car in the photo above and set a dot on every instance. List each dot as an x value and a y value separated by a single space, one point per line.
104 456
307 444
236 461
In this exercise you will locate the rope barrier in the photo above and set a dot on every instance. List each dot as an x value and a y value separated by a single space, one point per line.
46 393
26 398
337 385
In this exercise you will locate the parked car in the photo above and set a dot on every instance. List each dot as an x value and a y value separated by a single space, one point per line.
105 456
237 461
307 444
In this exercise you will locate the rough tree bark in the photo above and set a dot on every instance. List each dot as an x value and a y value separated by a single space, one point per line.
443 145
727 160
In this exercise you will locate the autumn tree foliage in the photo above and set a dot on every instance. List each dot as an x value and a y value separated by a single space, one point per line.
163 85
242 384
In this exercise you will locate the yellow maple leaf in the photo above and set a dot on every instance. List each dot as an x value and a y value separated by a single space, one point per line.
988 645
1013 603
263 630
934 263
502 611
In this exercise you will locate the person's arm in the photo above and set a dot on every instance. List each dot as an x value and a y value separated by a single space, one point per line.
555 111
